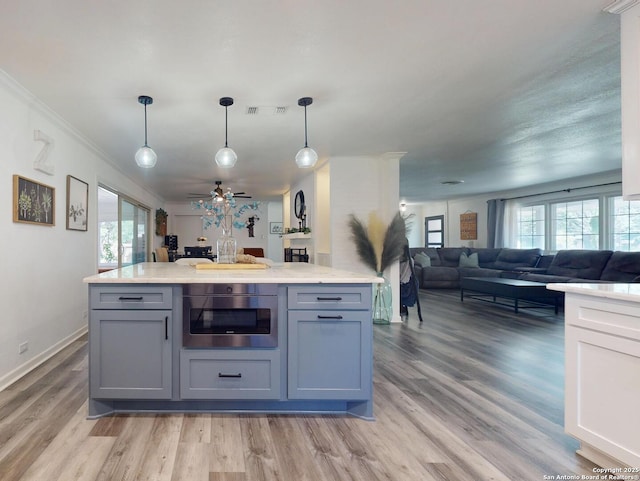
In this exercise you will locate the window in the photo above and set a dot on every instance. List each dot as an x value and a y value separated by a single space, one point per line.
122 230
576 224
624 224
530 220
434 231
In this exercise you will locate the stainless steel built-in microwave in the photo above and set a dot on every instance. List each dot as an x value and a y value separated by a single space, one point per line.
230 315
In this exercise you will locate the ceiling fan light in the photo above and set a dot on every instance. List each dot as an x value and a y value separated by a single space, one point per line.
226 158
146 157
306 157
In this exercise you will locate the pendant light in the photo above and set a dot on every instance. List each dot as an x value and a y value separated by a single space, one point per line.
226 157
306 157
145 156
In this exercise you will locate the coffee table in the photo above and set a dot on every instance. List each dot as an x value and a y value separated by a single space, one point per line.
533 294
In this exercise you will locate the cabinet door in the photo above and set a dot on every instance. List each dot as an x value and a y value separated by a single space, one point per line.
330 355
130 354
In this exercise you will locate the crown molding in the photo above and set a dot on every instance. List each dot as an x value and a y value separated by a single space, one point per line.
619 6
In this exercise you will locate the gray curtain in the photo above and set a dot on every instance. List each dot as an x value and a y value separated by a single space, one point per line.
495 223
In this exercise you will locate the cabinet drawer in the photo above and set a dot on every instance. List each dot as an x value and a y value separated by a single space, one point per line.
130 297
219 374
329 297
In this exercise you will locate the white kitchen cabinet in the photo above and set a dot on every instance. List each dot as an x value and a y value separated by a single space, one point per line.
602 381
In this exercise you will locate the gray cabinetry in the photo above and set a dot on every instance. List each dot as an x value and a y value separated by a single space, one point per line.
230 374
130 344
330 343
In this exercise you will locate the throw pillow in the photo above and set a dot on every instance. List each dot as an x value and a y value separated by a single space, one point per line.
469 261
423 259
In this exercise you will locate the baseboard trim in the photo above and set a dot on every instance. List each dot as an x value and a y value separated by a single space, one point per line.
31 364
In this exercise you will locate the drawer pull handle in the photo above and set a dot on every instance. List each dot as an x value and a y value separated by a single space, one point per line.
130 299
239 375
166 328
329 317
329 298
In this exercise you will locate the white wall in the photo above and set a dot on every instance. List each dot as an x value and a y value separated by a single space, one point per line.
43 298
308 186
360 185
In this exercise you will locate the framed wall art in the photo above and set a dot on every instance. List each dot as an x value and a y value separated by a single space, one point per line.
33 202
469 226
275 227
77 203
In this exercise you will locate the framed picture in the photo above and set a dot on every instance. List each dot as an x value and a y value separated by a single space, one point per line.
77 203
33 202
275 227
469 226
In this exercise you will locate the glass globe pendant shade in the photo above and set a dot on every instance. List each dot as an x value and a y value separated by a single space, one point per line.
226 158
146 157
306 157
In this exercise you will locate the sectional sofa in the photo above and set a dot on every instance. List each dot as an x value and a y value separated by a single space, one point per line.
444 267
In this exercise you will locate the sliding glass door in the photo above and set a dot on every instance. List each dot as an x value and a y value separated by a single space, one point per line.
123 227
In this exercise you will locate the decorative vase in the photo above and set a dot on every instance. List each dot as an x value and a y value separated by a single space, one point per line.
226 247
382 305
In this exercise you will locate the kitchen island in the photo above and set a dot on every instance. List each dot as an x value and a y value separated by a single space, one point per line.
602 373
312 352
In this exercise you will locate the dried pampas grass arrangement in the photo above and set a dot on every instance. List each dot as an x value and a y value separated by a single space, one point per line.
377 246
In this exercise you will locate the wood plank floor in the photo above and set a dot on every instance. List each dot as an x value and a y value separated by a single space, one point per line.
475 392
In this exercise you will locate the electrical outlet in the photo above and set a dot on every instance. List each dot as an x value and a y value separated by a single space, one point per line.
24 347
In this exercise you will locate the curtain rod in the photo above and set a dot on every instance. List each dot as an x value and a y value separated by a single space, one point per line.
562 190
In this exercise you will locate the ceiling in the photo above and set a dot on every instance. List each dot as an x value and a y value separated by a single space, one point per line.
500 93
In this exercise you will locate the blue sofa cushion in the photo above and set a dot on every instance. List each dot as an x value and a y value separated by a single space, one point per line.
583 264
510 259
622 267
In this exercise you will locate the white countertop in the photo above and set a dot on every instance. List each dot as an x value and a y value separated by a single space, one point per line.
278 273
623 292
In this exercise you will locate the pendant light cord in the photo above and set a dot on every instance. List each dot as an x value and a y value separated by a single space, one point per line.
145 126
306 145
226 127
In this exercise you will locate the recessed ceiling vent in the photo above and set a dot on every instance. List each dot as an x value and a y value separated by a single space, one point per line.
252 110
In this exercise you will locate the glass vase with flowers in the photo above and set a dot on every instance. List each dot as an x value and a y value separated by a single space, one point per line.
378 247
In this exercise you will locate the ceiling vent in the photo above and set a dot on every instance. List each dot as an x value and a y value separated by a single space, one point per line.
252 110
280 110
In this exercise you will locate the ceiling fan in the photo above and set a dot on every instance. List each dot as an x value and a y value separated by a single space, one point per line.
218 192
